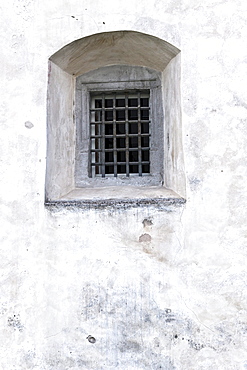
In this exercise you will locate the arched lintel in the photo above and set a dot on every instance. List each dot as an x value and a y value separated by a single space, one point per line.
114 48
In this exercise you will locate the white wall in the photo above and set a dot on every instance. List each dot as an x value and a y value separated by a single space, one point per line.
158 288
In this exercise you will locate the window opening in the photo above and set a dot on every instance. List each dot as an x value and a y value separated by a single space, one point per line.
120 133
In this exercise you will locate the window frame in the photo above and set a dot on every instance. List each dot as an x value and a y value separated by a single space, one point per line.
108 155
119 79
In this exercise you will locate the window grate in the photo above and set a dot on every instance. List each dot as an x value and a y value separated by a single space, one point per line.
120 134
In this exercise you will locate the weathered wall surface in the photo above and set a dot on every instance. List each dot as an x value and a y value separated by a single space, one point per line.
157 288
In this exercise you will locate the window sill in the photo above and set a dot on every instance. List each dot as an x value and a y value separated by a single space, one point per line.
118 197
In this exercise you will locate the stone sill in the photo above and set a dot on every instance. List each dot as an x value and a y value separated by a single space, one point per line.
118 197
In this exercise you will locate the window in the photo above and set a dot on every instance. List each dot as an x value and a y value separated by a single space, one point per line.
120 127
119 134
142 149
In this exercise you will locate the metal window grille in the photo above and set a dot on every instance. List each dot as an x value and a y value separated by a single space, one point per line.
120 134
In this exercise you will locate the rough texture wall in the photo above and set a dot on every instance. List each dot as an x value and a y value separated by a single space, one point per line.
157 288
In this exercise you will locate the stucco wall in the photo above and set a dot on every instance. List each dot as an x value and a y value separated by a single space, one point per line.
157 287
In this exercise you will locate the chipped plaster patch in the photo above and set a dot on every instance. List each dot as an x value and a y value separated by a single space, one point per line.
28 124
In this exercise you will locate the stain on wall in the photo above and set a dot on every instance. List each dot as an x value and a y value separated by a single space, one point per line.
158 286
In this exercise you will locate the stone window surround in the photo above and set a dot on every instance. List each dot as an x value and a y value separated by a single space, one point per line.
115 78
144 50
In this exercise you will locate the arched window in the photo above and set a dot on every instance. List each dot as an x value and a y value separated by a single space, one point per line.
114 118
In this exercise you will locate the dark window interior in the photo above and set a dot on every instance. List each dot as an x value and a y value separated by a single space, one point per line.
120 133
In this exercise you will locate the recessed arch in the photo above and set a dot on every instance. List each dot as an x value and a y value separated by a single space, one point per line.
114 48
90 53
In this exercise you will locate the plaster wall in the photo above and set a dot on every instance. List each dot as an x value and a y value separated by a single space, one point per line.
157 287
